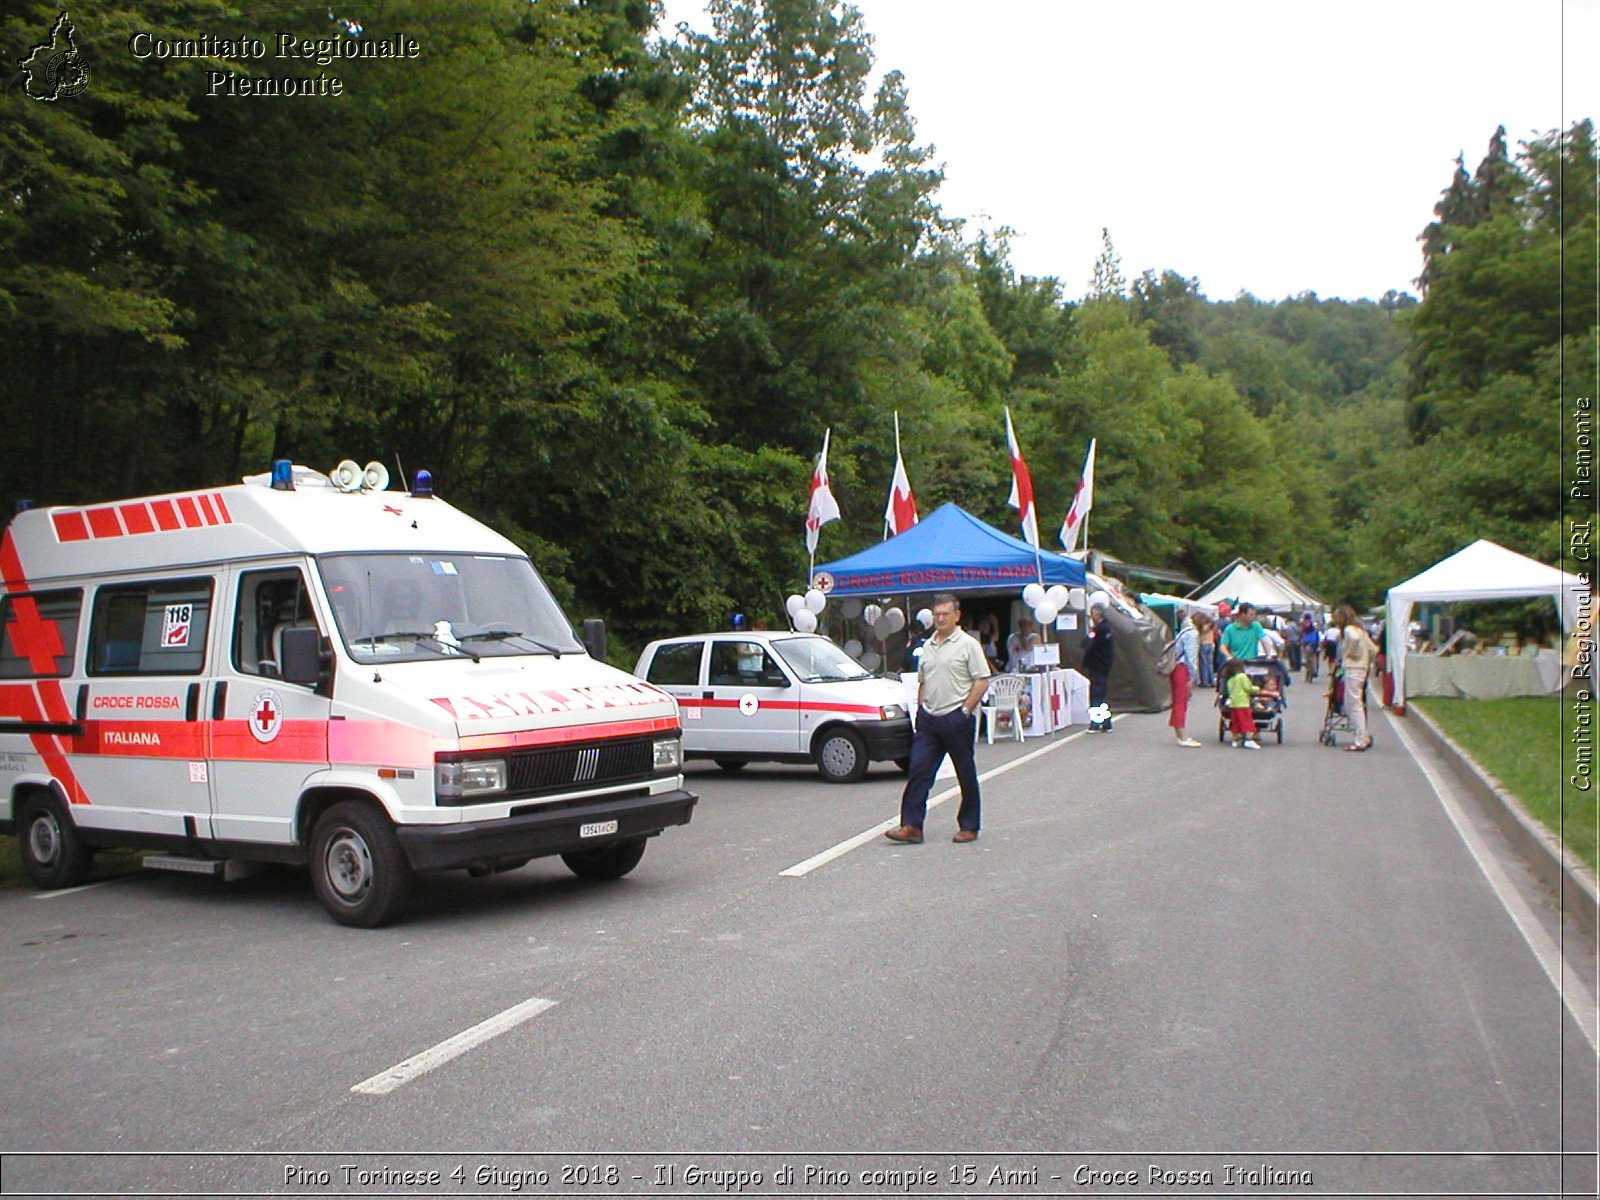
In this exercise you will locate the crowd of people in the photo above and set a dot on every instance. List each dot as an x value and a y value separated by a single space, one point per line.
1213 654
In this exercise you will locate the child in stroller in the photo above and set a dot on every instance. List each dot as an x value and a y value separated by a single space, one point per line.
1251 700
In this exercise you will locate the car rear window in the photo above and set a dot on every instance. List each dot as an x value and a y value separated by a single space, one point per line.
676 663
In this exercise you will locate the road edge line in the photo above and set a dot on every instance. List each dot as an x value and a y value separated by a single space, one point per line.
1575 996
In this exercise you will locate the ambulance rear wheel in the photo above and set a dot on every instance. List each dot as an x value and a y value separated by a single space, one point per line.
357 866
606 862
52 852
842 756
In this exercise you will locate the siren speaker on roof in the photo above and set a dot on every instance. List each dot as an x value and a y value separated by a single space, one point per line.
376 477
346 476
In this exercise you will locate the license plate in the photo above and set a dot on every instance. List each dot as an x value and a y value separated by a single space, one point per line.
597 829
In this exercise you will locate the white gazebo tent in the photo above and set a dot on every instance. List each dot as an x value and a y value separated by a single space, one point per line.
1258 584
1481 571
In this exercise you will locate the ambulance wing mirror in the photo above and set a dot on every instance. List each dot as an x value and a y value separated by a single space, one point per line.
304 660
594 638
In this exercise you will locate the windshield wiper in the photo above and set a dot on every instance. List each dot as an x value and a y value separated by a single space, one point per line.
505 635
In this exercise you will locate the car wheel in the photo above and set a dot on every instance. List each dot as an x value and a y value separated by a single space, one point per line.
52 853
842 756
606 862
731 764
359 871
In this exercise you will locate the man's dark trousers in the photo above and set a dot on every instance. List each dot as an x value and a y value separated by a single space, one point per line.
950 733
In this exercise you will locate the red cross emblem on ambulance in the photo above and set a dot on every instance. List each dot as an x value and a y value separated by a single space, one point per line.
266 715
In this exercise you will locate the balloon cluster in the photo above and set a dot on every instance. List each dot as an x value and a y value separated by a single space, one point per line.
804 610
1046 604
881 622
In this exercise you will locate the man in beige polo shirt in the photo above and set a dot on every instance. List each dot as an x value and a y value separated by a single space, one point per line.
951 679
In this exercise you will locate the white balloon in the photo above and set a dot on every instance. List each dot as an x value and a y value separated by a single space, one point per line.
1045 613
805 621
897 620
794 604
1102 599
871 613
1075 597
1033 595
883 627
1057 595
853 648
870 660
925 618
850 607
816 601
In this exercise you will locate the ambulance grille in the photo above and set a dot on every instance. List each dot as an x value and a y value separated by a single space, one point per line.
582 765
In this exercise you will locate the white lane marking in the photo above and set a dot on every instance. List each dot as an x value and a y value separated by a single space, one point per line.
1579 1000
417 1065
861 839
72 891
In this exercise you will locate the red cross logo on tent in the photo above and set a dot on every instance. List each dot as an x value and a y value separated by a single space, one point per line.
266 715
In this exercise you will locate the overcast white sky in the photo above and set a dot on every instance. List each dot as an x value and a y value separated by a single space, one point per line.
1268 146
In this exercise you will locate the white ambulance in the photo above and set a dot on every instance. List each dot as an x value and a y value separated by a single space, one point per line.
305 669
780 697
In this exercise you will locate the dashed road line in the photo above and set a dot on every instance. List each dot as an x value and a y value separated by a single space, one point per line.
418 1065
861 839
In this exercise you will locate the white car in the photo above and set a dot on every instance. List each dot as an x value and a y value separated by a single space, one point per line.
779 697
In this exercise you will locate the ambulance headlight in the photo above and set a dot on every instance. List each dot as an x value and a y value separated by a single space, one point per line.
892 712
458 782
668 754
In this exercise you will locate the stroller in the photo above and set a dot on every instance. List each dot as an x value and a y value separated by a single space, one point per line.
1266 707
1335 722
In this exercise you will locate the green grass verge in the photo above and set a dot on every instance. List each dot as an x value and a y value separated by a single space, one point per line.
1520 742
107 864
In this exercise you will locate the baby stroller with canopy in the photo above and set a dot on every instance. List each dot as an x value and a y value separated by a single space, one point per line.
1266 706
1335 722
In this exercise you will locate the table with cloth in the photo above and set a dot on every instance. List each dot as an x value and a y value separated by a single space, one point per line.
1483 676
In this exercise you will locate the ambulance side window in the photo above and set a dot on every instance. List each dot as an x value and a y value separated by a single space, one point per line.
39 634
745 664
269 602
156 628
676 665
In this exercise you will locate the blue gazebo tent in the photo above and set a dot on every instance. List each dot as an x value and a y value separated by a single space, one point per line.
949 550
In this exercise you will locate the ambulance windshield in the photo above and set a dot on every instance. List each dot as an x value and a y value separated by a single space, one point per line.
817 660
416 607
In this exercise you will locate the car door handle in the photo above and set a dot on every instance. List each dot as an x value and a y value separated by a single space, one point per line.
708 695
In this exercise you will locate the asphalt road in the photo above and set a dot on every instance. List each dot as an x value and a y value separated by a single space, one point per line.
1173 963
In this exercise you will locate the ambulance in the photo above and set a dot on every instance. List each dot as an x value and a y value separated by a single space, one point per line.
780 697
312 669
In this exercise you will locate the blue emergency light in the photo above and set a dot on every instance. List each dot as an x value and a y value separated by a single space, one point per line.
422 485
282 475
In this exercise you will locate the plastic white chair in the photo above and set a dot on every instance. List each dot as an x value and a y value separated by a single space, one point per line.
1003 697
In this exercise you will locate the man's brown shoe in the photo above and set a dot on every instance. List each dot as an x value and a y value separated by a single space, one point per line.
905 833
965 835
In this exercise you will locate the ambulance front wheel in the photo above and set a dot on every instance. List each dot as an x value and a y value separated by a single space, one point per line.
842 756
52 852
606 862
357 866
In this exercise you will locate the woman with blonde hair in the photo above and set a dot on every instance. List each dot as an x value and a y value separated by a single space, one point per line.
1356 655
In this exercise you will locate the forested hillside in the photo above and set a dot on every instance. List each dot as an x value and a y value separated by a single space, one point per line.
612 288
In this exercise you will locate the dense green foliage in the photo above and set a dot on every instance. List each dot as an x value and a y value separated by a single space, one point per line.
613 287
